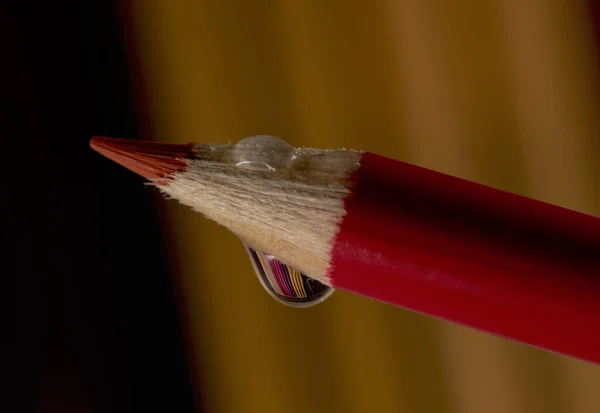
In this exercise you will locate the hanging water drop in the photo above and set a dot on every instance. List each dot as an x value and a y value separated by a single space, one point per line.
286 284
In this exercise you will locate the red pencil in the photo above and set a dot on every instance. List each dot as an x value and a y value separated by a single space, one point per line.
397 233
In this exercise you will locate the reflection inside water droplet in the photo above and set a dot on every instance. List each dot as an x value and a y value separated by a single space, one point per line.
286 284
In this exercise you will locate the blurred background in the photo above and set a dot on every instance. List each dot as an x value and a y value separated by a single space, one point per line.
126 302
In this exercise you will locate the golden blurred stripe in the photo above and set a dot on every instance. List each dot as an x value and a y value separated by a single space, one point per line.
439 139
434 120
547 48
318 55
186 92
336 59
581 382
554 74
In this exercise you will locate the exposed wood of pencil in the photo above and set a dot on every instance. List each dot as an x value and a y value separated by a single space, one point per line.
398 233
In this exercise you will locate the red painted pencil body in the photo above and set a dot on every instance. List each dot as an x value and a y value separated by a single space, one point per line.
471 254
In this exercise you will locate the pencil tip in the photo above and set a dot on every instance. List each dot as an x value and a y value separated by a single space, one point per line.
151 160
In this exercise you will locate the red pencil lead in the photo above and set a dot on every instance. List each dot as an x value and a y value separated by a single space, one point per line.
151 160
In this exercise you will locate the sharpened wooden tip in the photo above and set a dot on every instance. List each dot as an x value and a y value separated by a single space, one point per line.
152 160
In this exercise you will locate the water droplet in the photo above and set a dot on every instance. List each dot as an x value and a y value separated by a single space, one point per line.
260 153
286 284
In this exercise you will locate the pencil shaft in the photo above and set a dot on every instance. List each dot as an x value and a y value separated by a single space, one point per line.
471 254
415 238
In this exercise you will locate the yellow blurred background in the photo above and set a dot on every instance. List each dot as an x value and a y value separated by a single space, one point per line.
503 92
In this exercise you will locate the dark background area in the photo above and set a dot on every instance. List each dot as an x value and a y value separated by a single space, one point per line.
96 322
